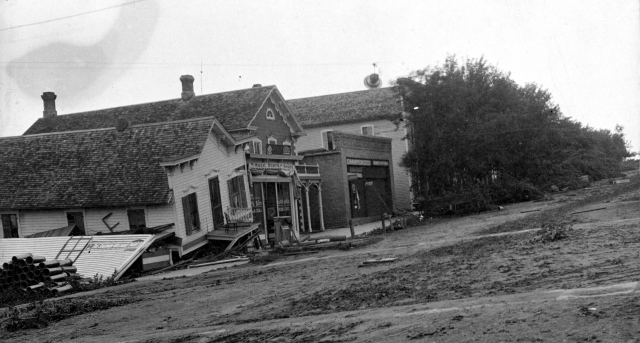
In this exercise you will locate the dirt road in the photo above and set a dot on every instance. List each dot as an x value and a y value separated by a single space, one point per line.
450 283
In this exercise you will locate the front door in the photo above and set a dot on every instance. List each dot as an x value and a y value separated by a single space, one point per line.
216 203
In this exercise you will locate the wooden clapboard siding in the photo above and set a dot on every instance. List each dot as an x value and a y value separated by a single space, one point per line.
93 219
31 222
215 160
160 214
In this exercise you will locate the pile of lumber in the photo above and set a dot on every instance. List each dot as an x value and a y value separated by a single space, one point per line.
35 273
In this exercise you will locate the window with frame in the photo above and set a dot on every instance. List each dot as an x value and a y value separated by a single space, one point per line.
367 130
272 140
327 140
137 219
10 225
191 216
270 115
237 194
257 147
77 219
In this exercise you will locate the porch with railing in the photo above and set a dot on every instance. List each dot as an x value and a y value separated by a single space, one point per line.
240 215
308 170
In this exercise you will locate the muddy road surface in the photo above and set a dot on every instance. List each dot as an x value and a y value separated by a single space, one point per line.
565 270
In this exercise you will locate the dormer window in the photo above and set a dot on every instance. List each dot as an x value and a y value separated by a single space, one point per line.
270 115
367 130
286 142
272 140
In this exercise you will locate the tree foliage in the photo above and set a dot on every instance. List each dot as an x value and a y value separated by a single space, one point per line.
474 130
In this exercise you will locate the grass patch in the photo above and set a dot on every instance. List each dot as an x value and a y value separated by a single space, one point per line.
40 314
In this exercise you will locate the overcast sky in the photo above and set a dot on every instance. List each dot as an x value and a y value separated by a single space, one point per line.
100 54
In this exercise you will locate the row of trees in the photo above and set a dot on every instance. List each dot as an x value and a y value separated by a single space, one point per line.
474 130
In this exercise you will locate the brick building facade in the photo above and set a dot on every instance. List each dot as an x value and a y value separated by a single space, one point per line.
358 179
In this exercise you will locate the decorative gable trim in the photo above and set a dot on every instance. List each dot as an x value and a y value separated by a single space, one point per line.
188 189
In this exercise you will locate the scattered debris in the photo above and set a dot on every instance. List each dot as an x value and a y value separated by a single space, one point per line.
615 182
530 211
378 261
239 259
595 209
550 233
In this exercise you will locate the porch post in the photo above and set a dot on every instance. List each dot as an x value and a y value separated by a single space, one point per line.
306 194
319 185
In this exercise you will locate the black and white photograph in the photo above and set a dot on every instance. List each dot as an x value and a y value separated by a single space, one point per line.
319 171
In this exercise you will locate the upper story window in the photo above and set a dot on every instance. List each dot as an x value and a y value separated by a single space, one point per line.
270 115
367 130
327 139
272 140
10 225
286 142
257 146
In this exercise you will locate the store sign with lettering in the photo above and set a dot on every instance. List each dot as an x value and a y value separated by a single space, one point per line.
271 166
381 163
125 246
356 162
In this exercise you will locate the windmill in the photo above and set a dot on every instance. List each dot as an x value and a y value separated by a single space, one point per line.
373 80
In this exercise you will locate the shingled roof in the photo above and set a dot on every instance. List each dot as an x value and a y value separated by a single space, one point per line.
95 168
381 103
234 110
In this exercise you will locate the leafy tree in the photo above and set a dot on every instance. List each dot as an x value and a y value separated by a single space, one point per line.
477 132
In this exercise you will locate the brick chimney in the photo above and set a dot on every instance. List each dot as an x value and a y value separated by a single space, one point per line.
49 99
257 85
187 87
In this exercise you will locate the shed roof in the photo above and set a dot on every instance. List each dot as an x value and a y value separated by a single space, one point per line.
95 168
325 110
234 110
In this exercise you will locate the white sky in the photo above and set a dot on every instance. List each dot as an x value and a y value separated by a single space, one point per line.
100 54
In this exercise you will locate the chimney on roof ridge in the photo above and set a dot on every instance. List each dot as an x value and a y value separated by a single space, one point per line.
49 99
257 85
187 87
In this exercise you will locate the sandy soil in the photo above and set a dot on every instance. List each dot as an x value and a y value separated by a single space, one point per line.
448 284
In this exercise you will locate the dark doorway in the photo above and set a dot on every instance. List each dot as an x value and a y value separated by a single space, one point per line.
76 218
216 203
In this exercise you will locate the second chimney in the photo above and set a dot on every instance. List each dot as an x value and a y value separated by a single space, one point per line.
49 99
187 87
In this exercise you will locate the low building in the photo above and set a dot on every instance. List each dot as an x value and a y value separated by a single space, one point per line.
198 162
358 183
373 112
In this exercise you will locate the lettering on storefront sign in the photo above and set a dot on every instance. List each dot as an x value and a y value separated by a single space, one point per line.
124 246
271 166
356 162
381 163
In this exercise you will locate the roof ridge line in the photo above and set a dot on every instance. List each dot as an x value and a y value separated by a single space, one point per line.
110 128
318 96
159 101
